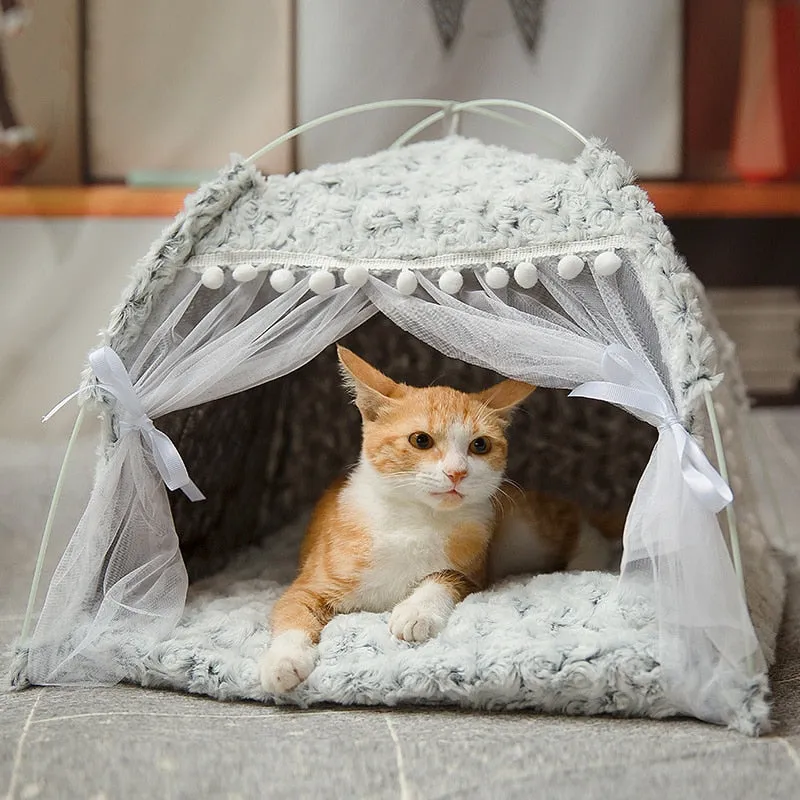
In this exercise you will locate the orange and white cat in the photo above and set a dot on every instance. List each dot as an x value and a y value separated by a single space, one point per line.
409 530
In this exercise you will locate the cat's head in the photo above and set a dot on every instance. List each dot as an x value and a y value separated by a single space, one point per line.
435 445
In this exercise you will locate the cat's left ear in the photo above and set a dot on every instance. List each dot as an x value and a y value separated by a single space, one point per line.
505 396
371 388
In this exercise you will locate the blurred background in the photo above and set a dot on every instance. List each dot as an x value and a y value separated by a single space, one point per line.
110 111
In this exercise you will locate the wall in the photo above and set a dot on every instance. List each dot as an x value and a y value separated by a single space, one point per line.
610 69
181 85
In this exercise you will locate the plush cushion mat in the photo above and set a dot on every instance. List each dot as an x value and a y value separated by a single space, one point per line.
554 642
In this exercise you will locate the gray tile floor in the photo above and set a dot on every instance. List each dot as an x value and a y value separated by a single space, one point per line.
125 742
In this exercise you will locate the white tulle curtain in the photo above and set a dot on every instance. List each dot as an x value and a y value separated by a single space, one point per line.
121 584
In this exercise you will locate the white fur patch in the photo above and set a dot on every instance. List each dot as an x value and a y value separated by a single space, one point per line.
423 615
288 661
409 539
481 479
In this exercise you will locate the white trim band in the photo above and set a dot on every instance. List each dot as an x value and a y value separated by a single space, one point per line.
268 259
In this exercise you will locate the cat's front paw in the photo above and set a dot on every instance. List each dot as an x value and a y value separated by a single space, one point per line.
416 621
289 660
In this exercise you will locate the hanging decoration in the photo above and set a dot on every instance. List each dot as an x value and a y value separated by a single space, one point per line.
528 15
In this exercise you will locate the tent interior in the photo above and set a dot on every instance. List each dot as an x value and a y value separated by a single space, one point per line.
264 456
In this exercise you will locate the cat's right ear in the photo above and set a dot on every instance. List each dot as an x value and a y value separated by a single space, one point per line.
505 396
372 390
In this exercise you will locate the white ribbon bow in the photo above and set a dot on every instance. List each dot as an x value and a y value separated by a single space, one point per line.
632 383
113 378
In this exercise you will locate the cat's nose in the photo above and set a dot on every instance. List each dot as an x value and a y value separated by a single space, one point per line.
456 475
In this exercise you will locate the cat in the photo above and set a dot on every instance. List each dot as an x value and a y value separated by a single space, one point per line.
411 529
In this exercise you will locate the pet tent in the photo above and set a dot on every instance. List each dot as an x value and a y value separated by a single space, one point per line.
445 257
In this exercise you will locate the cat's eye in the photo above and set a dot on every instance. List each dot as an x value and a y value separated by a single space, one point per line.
420 440
480 446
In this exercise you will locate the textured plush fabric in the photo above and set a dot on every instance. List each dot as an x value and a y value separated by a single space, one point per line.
124 742
557 643
390 205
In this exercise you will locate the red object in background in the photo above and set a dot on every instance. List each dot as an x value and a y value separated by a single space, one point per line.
787 39
766 138
713 51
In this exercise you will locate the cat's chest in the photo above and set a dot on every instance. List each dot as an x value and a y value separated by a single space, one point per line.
404 548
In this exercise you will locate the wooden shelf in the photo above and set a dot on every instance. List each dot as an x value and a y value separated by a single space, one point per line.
89 201
678 199
673 199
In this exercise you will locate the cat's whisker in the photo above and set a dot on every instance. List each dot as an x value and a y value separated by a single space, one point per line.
504 494
436 380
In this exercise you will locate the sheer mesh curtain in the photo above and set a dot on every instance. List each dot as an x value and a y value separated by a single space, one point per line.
556 335
121 584
481 329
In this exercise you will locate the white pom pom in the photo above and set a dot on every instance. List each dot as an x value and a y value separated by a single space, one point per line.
526 275
244 273
281 280
451 282
497 278
570 267
607 264
322 282
356 275
212 278
406 282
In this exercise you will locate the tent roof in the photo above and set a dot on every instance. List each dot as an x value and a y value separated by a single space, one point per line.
445 196
442 197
